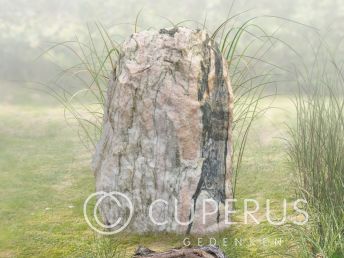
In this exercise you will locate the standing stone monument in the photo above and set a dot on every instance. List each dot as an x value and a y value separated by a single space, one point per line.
167 133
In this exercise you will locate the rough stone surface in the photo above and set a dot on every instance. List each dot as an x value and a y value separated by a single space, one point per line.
167 131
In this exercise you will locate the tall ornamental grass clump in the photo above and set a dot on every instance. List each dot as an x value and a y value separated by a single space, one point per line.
244 44
317 151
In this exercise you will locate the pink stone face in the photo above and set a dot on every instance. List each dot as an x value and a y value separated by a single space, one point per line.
167 131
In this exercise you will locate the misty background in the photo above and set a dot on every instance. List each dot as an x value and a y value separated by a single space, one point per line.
28 28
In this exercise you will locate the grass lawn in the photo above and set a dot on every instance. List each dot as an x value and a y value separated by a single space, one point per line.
45 177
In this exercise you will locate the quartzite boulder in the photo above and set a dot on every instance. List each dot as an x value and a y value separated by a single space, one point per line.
167 131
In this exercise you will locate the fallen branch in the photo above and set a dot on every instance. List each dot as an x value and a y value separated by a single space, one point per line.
196 252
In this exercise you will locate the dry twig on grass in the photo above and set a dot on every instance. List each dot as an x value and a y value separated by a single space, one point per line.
196 252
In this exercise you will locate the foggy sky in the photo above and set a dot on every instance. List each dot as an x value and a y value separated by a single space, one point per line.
28 27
